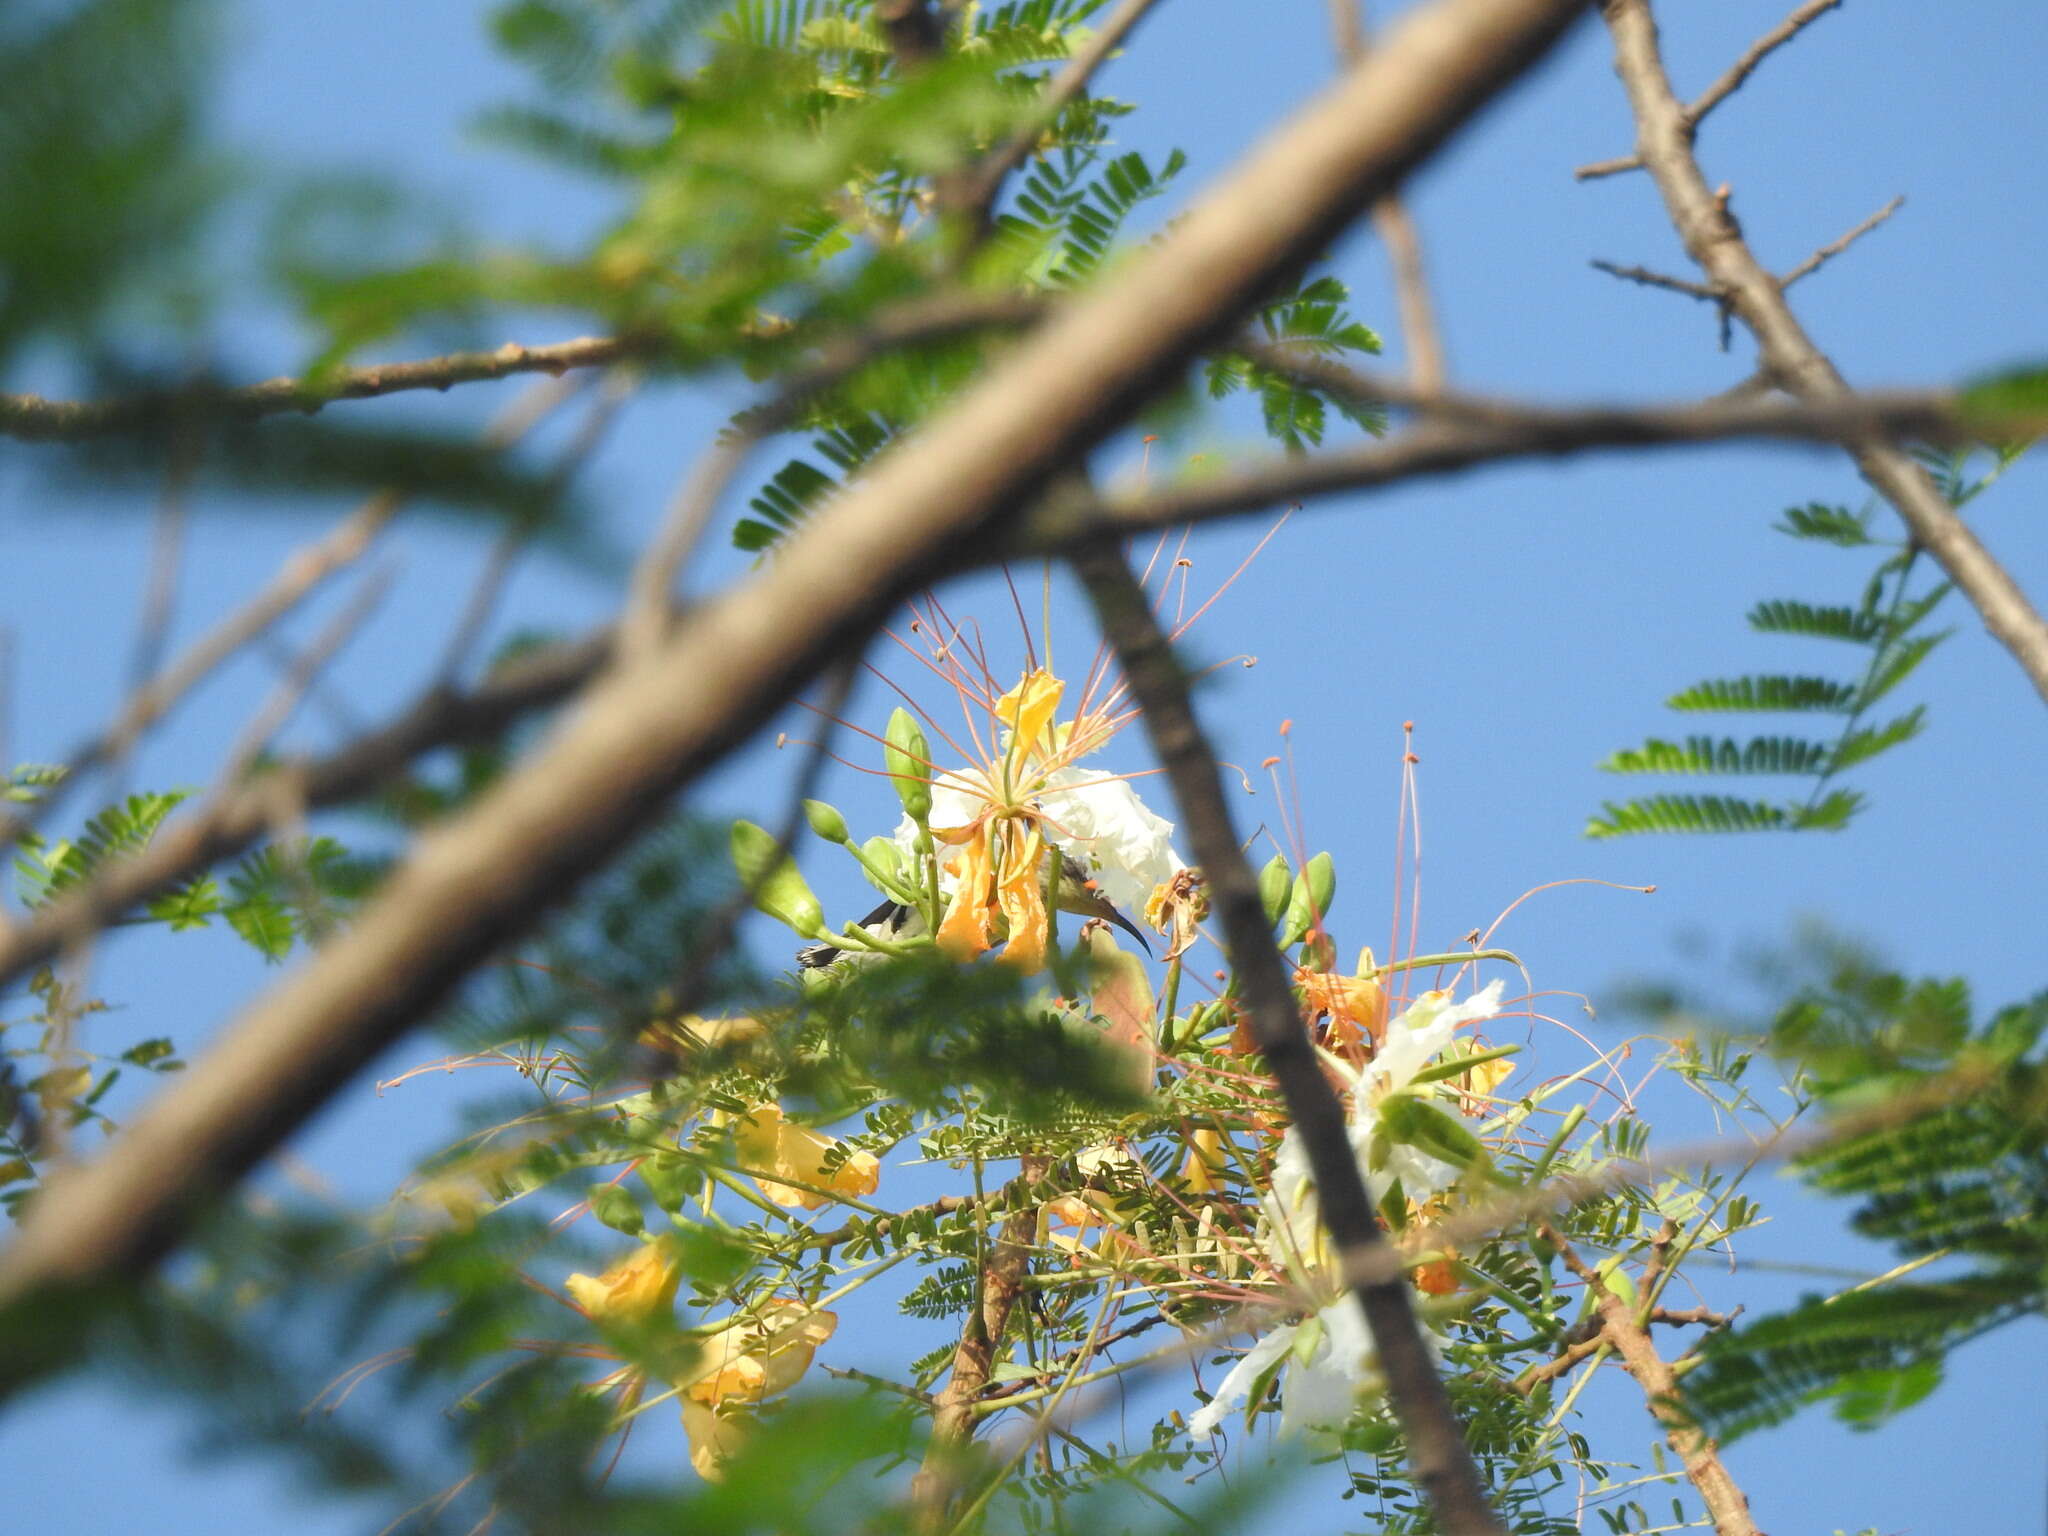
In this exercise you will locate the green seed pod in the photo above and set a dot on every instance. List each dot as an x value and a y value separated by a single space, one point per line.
826 821
1274 881
908 757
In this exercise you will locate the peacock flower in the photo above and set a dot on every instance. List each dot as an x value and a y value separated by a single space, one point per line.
747 1360
769 1144
1355 1006
1003 820
632 1290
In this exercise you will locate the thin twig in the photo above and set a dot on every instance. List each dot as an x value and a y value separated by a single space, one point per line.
307 666
1443 1463
1396 229
617 388
1745 66
1650 279
1835 248
1723 88
1727 1505
38 420
1714 241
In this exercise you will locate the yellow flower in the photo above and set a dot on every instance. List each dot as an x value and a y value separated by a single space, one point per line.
632 1290
757 1356
1356 1007
1000 868
1476 1083
1203 1171
769 1144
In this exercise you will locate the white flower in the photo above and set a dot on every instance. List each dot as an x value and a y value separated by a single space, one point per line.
1331 1361
1341 1361
1096 817
1412 1041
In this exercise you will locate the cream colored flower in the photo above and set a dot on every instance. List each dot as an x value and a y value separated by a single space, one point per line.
715 1438
632 1290
768 1144
759 1355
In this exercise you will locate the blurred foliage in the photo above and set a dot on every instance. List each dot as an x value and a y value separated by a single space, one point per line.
106 178
1940 1144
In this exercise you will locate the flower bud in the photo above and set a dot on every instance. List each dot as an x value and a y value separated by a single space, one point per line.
1314 889
1274 881
908 756
772 880
826 821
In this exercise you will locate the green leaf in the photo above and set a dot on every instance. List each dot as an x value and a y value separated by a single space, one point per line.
1832 525
1991 403
1862 745
1758 694
1788 616
1703 754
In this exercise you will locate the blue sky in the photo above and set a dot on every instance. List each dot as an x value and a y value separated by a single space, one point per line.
1529 620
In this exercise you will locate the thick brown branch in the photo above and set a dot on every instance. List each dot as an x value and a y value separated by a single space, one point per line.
488 874
1452 445
1727 1505
1436 1446
1715 243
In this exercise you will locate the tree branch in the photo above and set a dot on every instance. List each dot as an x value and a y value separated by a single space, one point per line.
981 1340
1715 243
487 874
35 419
1835 248
1727 1505
1396 229
1729 83
1436 1446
